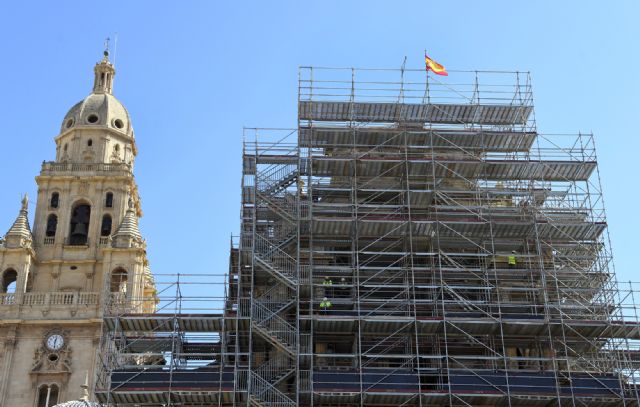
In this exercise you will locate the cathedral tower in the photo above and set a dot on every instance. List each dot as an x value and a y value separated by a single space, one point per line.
85 251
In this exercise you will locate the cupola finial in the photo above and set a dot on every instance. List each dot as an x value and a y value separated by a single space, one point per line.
25 202
106 48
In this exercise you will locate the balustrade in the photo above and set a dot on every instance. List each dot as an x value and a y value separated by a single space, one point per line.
51 299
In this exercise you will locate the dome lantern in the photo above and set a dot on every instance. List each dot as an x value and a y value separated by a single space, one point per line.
104 73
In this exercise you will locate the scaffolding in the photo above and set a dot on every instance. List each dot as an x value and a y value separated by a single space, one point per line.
173 356
412 242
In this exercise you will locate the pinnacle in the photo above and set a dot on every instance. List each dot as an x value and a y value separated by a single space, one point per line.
20 227
129 225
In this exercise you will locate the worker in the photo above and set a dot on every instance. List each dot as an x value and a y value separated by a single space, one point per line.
512 260
325 305
327 283
344 291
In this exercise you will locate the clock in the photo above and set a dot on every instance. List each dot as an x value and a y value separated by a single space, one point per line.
55 342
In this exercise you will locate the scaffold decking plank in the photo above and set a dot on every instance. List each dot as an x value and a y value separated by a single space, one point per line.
476 323
158 343
396 226
447 167
381 138
276 159
165 322
439 113
200 395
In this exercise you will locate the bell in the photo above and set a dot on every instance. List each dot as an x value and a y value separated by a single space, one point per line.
80 229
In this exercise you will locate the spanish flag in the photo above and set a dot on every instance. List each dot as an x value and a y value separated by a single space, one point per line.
434 66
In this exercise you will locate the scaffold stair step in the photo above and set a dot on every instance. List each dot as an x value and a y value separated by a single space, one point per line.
278 208
287 278
281 184
264 394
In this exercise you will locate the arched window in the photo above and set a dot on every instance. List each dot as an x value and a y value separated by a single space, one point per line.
9 278
89 143
119 281
105 229
79 229
52 225
55 200
48 395
108 200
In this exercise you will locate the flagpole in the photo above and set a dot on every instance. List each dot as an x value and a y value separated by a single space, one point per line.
426 88
402 68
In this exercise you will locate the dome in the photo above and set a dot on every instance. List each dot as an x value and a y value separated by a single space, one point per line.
84 400
98 109
78 403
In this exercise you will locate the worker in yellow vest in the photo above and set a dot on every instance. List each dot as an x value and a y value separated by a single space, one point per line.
327 283
325 305
511 260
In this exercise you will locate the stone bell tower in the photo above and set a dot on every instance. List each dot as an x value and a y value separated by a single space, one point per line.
85 252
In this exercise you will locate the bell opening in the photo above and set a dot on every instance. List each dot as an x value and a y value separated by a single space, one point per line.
80 225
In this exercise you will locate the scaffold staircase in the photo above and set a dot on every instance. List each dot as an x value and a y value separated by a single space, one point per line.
270 242
281 182
275 261
274 328
264 394
276 369
279 229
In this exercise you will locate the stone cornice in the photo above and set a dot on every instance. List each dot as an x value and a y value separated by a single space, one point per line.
67 261
108 130
29 250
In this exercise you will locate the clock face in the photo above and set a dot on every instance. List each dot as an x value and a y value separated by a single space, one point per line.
55 342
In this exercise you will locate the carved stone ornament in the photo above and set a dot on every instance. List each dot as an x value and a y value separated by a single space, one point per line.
83 188
53 356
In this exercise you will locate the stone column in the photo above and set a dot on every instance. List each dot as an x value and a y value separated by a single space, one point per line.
9 344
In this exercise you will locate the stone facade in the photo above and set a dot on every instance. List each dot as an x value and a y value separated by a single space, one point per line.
85 253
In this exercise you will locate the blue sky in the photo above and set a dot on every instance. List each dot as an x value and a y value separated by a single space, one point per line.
193 73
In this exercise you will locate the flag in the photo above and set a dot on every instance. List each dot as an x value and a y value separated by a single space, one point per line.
432 65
